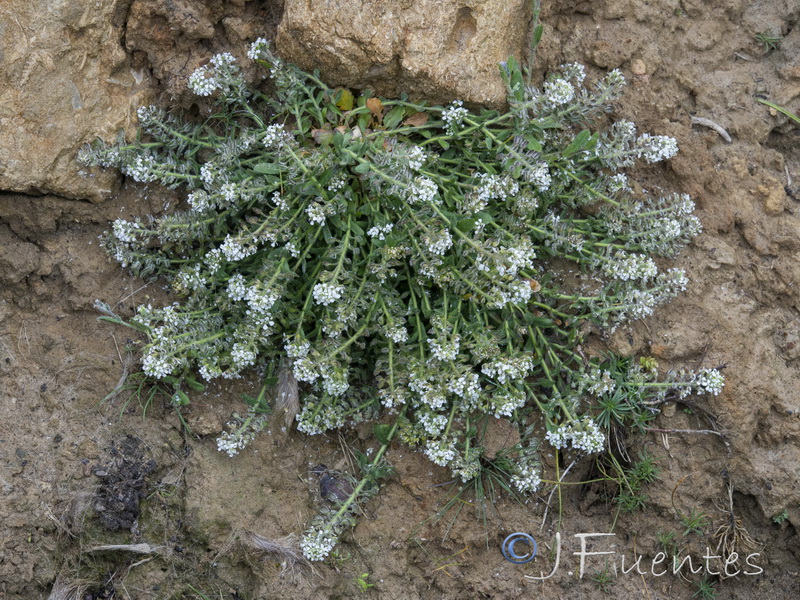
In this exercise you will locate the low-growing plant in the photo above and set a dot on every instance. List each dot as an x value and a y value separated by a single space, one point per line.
695 522
362 583
781 517
768 39
604 579
705 589
427 266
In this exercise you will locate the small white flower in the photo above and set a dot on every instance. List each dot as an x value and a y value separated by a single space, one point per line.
327 293
454 116
202 82
558 92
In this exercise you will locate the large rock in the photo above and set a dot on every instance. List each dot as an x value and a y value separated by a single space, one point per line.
175 38
64 80
437 50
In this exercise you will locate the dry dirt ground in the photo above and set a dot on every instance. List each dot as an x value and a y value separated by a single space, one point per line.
78 475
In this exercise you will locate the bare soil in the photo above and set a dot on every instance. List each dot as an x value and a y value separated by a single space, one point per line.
78 474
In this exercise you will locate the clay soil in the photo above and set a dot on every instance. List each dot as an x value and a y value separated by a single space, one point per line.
79 474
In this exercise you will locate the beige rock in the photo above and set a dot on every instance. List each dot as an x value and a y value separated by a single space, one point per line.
638 67
773 196
438 50
65 81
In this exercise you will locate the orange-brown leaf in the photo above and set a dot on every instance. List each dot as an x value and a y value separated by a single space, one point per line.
418 119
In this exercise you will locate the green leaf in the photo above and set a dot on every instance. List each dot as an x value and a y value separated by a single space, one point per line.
579 143
485 217
382 433
465 225
362 167
537 35
444 144
266 169
393 117
533 143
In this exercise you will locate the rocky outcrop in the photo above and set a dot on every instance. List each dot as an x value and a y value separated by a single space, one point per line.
437 50
65 80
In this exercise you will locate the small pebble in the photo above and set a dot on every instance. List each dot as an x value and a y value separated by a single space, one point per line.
638 67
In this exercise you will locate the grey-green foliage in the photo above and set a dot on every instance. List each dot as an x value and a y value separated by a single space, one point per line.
432 263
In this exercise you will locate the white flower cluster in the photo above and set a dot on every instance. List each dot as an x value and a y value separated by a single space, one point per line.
157 366
558 92
539 175
423 191
235 250
573 71
260 300
397 333
200 201
336 183
630 267
317 418
380 231
390 398
441 452
317 544
466 387
143 169
276 137
708 381
584 435
506 369
454 116
494 187
438 242
466 467
244 430
445 349
125 231
430 395
190 278
600 382
527 479
327 293
505 401
257 48
433 423
237 287
202 82
297 347
416 158
654 148
218 74
242 355
508 261
518 292
618 183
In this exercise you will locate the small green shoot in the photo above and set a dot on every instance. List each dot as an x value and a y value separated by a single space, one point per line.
769 40
604 580
362 583
705 589
781 517
694 522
